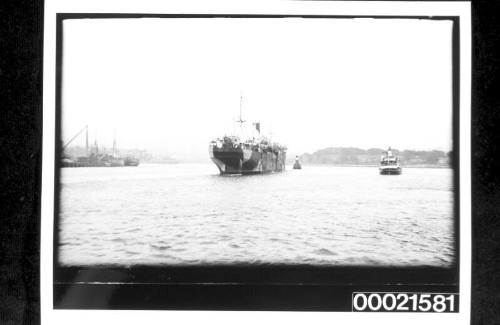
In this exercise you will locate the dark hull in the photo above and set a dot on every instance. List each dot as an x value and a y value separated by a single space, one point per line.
247 161
86 164
390 171
96 162
131 162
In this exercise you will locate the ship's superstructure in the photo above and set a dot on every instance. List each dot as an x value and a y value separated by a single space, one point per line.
234 155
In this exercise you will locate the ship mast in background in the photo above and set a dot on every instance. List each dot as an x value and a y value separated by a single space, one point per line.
240 120
87 140
114 143
92 156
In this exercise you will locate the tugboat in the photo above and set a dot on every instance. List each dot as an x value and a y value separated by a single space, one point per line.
234 155
389 164
297 165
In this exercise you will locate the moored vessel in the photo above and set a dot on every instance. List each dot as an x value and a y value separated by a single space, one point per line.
94 158
389 164
131 161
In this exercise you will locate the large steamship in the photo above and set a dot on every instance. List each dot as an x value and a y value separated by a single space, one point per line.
234 155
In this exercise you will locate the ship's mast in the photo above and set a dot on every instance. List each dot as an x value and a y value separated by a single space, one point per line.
241 120
87 140
114 142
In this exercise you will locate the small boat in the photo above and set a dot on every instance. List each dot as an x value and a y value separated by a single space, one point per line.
389 164
68 162
131 161
297 165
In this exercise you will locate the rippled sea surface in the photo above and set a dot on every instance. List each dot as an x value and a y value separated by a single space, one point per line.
320 215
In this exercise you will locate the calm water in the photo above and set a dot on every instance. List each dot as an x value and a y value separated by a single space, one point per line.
188 214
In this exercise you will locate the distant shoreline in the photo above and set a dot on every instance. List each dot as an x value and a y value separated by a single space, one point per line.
303 165
350 156
374 166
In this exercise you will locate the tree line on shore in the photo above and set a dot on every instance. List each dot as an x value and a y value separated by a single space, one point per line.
357 156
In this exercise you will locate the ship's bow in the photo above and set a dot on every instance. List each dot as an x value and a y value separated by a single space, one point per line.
228 160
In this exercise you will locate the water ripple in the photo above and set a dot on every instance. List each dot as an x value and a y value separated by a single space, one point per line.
183 214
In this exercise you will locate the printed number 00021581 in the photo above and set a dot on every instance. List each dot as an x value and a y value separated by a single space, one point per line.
404 302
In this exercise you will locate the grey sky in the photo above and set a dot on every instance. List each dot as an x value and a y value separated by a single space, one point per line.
171 85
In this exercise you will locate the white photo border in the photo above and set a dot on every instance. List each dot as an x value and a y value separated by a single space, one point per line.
459 9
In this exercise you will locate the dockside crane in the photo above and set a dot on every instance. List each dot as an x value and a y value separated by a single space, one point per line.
85 128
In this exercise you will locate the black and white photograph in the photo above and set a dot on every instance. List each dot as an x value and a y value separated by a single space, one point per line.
292 143
259 150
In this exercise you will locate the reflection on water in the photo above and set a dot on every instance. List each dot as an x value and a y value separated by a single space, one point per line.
188 214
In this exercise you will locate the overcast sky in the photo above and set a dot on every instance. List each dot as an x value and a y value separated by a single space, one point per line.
171 85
